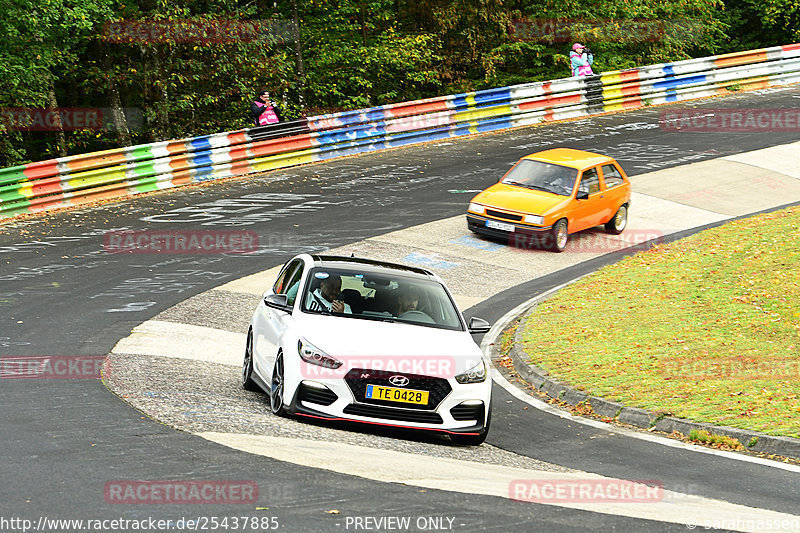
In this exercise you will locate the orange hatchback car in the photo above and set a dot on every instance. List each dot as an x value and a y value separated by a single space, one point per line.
548 195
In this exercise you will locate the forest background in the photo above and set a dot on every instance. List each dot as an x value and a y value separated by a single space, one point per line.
164 70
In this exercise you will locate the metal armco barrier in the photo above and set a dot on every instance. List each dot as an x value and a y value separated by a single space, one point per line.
79 179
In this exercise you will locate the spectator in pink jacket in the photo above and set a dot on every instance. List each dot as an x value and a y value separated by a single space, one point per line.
264 110
581 60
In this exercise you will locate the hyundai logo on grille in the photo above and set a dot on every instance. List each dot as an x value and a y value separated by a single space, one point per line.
398 381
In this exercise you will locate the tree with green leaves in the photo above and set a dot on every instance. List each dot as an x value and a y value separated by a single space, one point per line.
41 44
184 76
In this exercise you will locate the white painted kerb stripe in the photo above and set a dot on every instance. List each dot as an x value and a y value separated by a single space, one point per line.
490 480
184 341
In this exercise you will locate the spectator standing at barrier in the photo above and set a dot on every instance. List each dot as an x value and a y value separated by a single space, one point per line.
264 110
581 60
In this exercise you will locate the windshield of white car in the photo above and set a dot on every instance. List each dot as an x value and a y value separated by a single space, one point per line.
381 297
542 176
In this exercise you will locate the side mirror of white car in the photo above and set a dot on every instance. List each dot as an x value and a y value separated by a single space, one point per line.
478 325
278 301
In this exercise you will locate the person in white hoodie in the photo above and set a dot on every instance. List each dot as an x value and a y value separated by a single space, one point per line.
328 296
581 60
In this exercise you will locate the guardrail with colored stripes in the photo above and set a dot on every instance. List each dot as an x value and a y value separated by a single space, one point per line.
79 179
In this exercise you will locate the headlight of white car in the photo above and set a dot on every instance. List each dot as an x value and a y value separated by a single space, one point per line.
311 354
477 208
534 219
476 374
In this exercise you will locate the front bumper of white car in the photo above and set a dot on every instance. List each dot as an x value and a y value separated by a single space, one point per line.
451 408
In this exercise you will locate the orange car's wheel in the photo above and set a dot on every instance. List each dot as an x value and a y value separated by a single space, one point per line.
617 224
556 241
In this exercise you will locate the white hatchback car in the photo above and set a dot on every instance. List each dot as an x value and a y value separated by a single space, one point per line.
340 338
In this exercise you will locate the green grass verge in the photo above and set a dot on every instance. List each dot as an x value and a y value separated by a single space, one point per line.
706 328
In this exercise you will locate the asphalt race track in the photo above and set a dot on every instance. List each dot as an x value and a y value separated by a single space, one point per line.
62 294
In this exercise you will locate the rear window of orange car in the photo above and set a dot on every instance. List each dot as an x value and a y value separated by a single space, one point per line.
611 176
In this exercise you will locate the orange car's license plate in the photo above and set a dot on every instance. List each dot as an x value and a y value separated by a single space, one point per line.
376 392
499 225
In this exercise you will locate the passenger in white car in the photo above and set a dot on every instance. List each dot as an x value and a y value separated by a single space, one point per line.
327 296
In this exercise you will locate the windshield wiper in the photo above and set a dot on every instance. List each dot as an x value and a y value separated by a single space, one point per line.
538 188
527 186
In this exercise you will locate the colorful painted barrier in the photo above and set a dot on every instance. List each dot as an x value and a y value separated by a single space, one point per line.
84 178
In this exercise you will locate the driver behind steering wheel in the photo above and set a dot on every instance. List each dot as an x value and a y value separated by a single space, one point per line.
407 300
562 185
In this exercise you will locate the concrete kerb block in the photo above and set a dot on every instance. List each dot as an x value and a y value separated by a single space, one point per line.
574 397
537 377
742 435
554 389
786 446
528 372
540 380
669 424
634 416
605 408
